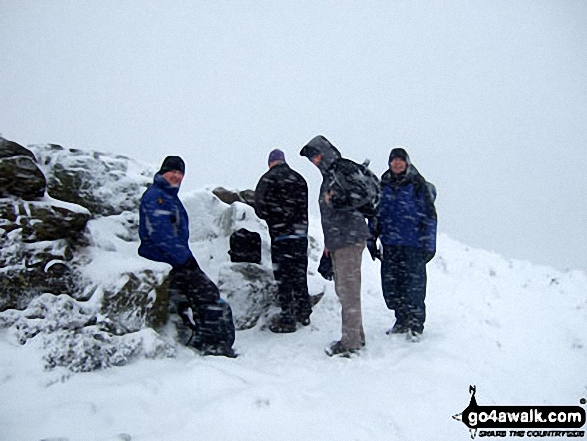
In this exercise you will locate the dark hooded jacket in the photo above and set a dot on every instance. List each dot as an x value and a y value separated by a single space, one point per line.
406 213
281 199
341 227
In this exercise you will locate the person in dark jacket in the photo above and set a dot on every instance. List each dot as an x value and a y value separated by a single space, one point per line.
345 232
281 199
164 234
406 226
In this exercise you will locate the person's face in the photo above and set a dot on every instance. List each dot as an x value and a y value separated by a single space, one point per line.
173 177
317 159
398 166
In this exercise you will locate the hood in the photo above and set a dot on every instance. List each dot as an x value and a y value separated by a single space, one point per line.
162 183
409 175
320 144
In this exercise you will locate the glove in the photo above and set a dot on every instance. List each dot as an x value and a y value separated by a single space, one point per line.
372 247
428 255
325 268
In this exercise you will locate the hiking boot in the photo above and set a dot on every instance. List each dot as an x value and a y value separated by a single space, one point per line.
303 319
337 348
283 326
398 328
219 351
414 336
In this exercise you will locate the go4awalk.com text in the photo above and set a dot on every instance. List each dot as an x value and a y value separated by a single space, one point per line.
523 421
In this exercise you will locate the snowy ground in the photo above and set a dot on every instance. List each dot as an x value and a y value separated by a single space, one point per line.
516 331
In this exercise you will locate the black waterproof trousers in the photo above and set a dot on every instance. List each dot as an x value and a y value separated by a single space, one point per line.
403 279
290 265
212 316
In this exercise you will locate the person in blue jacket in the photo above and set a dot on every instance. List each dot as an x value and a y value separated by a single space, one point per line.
164 234
406 226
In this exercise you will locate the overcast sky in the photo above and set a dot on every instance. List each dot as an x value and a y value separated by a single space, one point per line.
489 97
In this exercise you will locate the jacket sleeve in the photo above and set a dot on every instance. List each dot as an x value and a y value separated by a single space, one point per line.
427 223
260 198
374 226
162 220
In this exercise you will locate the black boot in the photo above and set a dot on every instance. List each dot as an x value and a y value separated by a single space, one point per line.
398 328
283 325
337 348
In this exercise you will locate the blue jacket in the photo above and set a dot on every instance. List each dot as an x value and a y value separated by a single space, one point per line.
406 214
163 225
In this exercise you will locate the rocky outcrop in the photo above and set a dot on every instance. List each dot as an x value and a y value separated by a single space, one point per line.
20 177
232 196
75 335
103 184
38 235
43 220
79 321
71 282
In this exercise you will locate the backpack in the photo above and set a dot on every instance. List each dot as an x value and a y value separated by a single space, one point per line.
245 246
430 195
355 187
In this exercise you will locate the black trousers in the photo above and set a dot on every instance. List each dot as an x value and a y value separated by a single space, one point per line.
290 268
403 279
191 287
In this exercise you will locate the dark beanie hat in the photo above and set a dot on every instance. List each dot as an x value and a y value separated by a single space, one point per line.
276 155
172 163
398 153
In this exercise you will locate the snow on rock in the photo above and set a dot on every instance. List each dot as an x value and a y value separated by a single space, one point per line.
63 287
78 336
104 184
250 290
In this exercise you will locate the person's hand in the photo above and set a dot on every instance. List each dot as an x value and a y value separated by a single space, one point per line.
325 268
327 197
372 247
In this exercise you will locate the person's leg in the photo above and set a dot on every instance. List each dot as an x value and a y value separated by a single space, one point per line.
281 257
302 306
415 289
187 329
393 285
211 314
218 332
347 282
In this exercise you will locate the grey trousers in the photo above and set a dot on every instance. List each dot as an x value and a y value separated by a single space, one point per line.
346 263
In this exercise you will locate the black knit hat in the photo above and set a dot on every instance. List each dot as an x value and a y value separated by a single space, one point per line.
398 153
172 163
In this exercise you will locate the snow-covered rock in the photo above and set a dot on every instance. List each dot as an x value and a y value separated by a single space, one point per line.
20 176
72 282
251 291
104 184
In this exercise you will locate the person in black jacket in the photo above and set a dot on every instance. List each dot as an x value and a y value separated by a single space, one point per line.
281 199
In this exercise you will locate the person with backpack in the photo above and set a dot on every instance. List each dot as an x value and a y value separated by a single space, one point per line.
342 199
281 199
164 233
406 226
